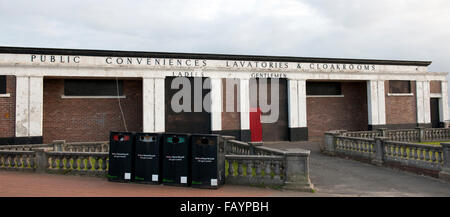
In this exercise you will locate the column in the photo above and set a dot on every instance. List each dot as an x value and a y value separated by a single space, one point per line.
29 109
153 105
216 105
298 130
244 108
423 103
443 105
376 104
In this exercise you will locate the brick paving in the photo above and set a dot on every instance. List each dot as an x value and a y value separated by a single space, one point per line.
25 184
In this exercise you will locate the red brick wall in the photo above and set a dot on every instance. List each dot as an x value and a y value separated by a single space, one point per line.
78 120
8 109
230 120
435 86
338 113
401 109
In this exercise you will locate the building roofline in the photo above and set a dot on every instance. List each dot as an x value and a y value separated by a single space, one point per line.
120 53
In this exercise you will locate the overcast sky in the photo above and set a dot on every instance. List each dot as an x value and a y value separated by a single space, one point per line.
383 29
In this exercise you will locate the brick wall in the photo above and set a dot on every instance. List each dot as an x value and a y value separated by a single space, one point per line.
435 86
333 113
8 109
230 120
78 120
401 110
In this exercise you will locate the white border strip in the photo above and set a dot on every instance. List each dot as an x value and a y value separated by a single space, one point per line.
400 94
5 95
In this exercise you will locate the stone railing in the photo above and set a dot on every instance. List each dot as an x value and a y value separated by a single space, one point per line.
25 147
251 164
425 159
17 160
419 134
61 145
86 163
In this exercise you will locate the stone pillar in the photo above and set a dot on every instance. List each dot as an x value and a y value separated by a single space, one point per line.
244 108
423 103
216 105
298 130
379 151
297 170
330 142
29 109
41 160
376 104
153 105
443 105
445 171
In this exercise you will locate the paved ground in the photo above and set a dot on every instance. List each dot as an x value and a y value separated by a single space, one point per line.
336 176
331 176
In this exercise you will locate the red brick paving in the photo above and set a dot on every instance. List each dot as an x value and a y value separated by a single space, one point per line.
26 184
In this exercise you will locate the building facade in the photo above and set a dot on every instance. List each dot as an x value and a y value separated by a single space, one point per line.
82 95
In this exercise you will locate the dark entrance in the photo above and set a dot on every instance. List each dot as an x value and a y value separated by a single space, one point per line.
276 131
186 122
434 108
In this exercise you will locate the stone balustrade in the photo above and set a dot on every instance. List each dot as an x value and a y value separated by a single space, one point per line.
17 160
396 149
81 146
90 163
255 170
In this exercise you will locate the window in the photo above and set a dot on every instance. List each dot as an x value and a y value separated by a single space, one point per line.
92 87
2 84
323 88
399 87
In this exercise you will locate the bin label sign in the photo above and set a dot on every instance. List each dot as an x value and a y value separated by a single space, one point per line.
127 175
146 156
154 178
205 159
175 158
178 140
183 179
120 155
213 182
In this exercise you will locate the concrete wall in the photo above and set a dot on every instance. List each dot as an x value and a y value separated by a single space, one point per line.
78 120
8 109
332 113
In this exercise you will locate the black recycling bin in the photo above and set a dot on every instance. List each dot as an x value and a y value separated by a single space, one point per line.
121 156
147 165
207 161
176 159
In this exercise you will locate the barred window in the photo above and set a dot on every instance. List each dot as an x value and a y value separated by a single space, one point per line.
399 87
92 87
2 84
323 88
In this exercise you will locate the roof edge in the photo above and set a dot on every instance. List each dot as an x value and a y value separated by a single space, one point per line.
121 53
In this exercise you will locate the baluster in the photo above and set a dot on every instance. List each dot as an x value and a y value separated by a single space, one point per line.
104 163
277 170
13 161
394 151
82 165
1 161
230 168
433 156
404 152
258 170
61 162
19 161
68 164
240 168
411 149
249 168
268 169
427 155
421 154
75 162
25 161
439 158
7 161
89 163
96 165
415 153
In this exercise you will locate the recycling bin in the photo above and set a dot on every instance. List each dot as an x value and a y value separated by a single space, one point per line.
176 160
147 158
121 156
207 161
